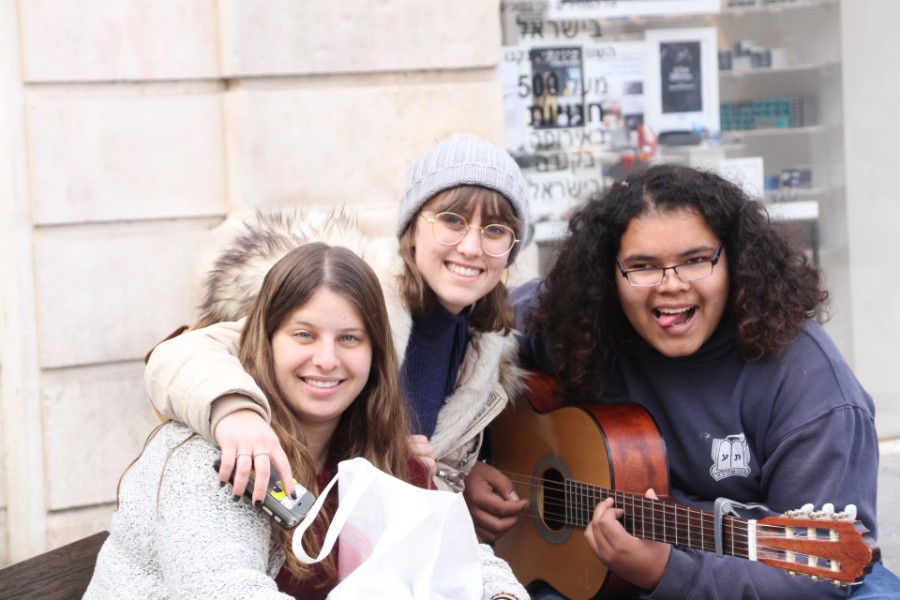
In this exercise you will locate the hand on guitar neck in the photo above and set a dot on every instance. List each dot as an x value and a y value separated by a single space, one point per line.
586 472
640 562
492 501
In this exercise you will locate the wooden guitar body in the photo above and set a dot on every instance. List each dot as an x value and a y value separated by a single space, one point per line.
617 447
566 460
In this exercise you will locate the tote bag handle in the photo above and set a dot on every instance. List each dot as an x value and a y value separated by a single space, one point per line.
360 483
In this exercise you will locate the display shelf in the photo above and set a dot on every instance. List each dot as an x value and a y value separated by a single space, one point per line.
810 68
825 67
775 8
797 210
678 19
732 137
788 194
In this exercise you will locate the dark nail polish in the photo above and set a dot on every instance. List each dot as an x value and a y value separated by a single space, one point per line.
235 498
294 495
221 484
258 504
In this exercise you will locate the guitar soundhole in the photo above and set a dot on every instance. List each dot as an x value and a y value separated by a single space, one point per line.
552 498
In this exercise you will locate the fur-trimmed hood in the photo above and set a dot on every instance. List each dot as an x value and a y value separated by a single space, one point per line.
248 245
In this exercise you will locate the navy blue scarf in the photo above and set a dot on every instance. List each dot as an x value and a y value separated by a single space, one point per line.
436 348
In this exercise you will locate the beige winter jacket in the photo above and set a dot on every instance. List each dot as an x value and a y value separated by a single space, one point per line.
186 374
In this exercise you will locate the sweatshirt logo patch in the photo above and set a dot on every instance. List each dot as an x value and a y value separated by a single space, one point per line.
731 457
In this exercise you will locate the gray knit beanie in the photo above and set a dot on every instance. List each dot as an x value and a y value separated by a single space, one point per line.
464 160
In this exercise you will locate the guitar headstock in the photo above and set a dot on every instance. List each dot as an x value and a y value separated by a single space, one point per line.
824 544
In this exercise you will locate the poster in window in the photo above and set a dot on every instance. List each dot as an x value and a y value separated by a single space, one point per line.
557 84
682 84
681 79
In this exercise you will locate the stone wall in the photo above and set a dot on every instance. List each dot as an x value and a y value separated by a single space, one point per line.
127 131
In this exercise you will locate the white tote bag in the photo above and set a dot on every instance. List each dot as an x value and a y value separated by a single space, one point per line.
397 541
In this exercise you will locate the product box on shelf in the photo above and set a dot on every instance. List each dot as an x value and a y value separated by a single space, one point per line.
763 113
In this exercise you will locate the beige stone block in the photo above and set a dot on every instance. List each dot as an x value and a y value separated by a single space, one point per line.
96 421
72 525
109 293
350 145
4 536
3 458
100 40
289 37
106 158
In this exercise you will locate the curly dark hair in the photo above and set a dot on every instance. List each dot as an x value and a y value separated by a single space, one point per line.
773 286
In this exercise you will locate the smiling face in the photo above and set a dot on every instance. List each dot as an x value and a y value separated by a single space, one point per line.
322 357
674 317
460 274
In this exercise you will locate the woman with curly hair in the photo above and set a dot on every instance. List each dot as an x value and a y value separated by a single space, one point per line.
674 291
767 292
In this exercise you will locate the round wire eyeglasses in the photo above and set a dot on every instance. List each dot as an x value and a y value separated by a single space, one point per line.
448 229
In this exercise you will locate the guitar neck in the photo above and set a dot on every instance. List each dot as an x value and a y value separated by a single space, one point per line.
659 521
550 453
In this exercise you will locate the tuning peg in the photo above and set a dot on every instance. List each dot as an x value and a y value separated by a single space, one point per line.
850 512
797 513
826 512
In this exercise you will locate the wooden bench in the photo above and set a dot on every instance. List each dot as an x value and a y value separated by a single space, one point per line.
60 574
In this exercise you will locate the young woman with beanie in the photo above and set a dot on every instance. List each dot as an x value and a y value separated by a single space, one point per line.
460 224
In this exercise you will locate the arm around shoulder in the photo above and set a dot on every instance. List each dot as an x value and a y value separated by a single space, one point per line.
185 374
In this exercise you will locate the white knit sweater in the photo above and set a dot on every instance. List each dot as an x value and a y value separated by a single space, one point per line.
178 534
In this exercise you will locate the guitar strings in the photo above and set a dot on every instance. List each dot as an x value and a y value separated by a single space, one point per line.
735 531
585 501
555 508
736 544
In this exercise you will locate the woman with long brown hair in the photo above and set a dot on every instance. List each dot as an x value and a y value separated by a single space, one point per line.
318 343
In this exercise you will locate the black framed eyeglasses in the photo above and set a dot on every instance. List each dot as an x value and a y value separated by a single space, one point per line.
450 228
689 271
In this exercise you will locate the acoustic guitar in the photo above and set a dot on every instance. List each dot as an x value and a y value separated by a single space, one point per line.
569 459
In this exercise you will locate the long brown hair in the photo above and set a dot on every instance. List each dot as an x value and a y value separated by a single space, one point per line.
376 422
491 313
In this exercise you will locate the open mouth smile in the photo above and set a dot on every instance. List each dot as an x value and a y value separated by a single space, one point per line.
321 383
461 270
673 317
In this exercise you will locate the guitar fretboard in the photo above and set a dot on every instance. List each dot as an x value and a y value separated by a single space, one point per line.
657 520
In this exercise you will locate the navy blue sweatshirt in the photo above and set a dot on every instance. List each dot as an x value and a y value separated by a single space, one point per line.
802 425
